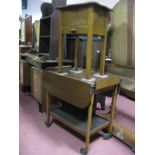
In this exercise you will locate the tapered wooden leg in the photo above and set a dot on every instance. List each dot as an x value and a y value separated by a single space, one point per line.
89 44
113 107
84 150
48 121
76 53
107 135
89 122
61 44
103 52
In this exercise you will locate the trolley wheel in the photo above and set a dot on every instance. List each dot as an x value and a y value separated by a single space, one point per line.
40 107
106 136
83 150
48 123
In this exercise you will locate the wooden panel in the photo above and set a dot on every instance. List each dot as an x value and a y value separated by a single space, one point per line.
99 21
124 134
37 84
107 82
78 17
75 30
119 35
81 15
122 43
25 73
55 28
37 89
127 79
133 38
130 32
74 121
70 90
23 49
21 73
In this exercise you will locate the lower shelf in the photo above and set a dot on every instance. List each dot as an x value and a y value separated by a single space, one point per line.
76 123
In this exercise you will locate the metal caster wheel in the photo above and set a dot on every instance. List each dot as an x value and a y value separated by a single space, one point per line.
48 123
84 150
106 136
40 108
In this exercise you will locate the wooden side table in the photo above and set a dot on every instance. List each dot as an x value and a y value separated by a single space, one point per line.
84 19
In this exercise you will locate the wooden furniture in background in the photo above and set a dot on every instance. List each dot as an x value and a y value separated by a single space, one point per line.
123 46
54 33
25 78
84 21
37 89
24 49
123 34
44 39
37 86
26 34
44 58
26 29
35 36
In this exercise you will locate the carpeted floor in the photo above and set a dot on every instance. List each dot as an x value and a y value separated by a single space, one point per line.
37 139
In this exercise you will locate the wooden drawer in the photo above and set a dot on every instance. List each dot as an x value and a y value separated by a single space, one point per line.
75 17
76 20
75 30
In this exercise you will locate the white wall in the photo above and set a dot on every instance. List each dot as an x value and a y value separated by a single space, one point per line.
33 8
108 3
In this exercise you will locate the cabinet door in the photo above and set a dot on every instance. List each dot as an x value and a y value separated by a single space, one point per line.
21 73
37 84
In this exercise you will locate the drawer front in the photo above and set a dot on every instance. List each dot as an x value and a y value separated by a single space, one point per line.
75 30
77 17
99 22
76 21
